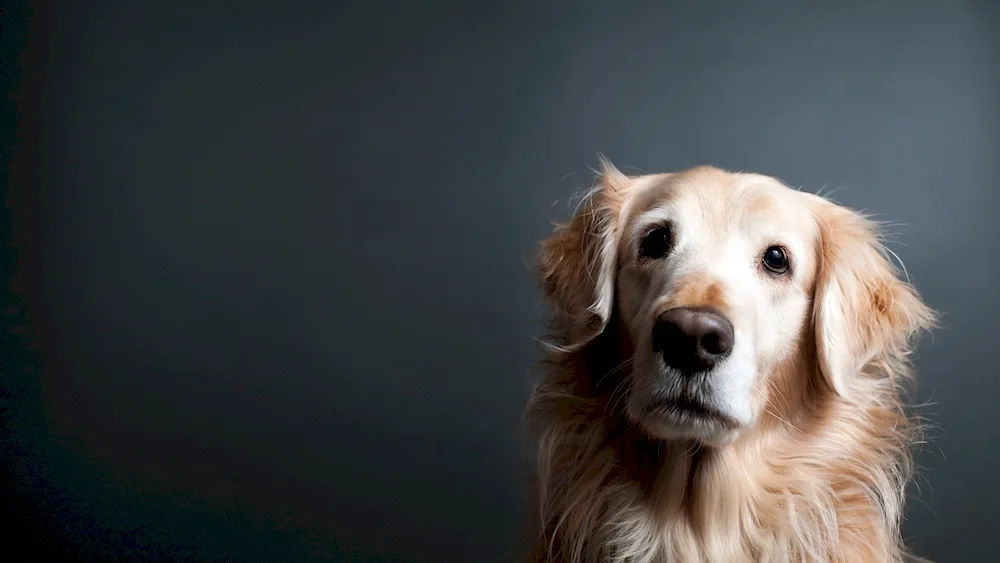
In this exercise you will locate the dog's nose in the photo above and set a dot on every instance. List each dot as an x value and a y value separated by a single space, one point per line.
693 339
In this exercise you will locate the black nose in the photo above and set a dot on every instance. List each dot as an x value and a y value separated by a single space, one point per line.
693 339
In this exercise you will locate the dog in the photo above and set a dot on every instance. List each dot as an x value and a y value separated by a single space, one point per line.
725 377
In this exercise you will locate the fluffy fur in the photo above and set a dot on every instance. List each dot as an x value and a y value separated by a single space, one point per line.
819 472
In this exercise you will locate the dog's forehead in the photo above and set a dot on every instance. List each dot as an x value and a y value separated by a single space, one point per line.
721 198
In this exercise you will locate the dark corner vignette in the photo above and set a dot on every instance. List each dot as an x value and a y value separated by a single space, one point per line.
30 507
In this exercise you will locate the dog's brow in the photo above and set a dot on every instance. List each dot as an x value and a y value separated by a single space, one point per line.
655 215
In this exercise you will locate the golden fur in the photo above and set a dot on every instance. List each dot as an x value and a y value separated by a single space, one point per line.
820 475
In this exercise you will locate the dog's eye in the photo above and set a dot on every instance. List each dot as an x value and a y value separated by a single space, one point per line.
775 259
656 243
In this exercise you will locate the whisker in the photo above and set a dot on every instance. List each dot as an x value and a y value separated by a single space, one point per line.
615 369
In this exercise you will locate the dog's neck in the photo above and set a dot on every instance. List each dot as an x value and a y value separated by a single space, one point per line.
823 486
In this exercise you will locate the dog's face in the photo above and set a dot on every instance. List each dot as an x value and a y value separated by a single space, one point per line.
718 281
714 286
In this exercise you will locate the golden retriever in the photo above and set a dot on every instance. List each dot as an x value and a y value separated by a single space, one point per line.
723 377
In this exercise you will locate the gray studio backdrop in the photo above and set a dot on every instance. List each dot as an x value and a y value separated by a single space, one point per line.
283 248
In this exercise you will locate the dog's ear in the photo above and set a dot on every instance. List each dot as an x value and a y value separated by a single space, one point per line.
864 315
578 262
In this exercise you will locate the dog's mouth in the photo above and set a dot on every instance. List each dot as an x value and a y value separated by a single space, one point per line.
685 416
685 406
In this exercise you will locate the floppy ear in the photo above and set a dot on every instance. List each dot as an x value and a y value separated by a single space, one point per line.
578 262
864 315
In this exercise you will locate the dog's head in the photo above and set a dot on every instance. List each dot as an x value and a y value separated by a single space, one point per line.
728 291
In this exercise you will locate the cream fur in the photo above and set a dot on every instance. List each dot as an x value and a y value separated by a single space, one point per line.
818 471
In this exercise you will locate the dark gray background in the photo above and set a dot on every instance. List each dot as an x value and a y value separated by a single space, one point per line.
281 251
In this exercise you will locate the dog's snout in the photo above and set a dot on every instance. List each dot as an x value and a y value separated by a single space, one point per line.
693 339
